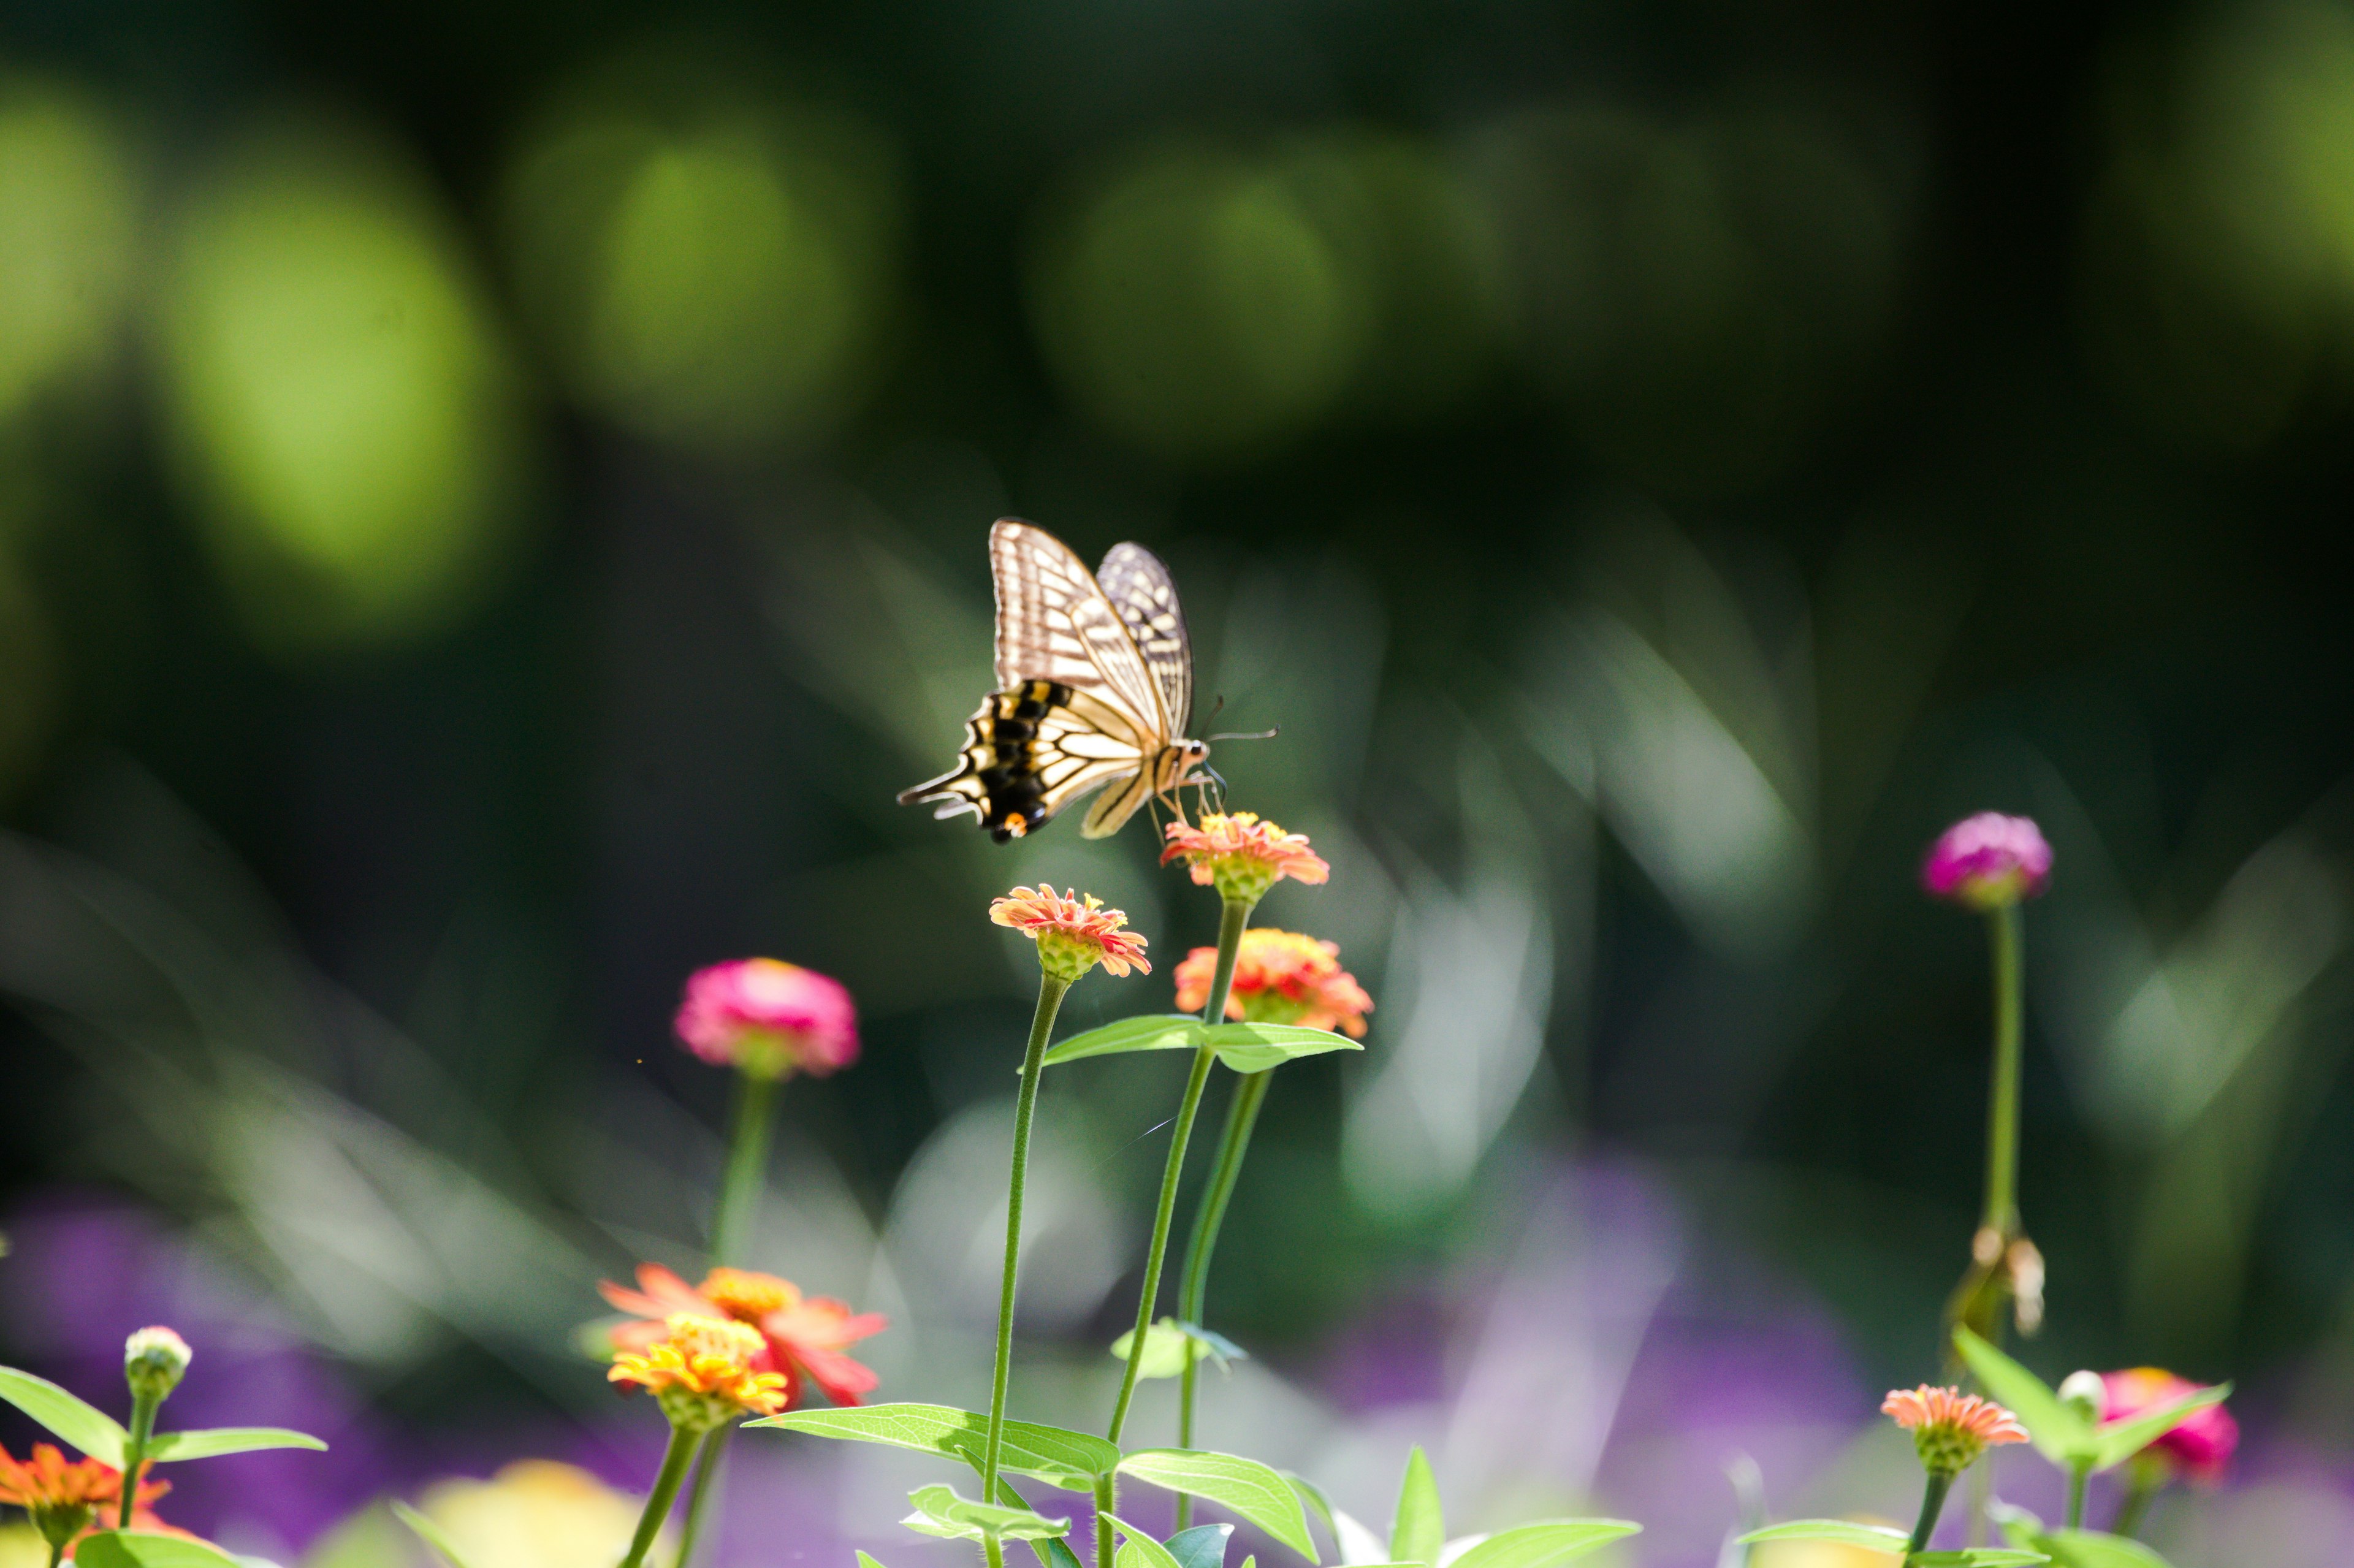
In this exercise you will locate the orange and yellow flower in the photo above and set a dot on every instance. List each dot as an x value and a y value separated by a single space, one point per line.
1073 935
1241 855
804 1337
62 1496
1280 977
1950 1429
703 1370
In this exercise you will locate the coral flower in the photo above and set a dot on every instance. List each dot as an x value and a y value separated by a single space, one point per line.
61 1495
703 1370
767 1018
1280 977
1241 855
804 1337
1988 861
2201 1445
1950 1429
1073 937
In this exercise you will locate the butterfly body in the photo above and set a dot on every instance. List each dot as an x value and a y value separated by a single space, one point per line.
1094 689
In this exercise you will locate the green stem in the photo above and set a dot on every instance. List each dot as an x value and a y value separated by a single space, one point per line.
2079 1474
2001 1213
134 1453
1025 1104
708 1463
993 1549
748 1169
1106 1504
1933 1503
2136 1508
682 1442
56 1553
1193 1289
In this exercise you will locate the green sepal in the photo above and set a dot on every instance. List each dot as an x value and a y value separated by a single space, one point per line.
941 1511
145 1549
1245 1486
1164 1348
1846 1532
1245 1047
1072 1461
432 1534
66 1417
1419 1528
1545 1542
210 1442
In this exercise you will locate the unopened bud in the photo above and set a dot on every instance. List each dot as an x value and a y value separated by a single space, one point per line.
2085 1392
152 1362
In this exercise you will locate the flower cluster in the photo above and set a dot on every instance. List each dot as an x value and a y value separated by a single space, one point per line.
1988 861
802 1337
1073 935
2201 1445
1280 977
767 1018
701 1369
1243 856
1950 1429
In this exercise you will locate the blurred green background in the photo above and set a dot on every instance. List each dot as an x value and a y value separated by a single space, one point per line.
492 508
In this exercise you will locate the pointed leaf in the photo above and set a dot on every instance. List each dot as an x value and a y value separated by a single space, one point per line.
2114 1444
1139 1550
85 1426
866 1561
941 1511
1977 1557
1847 1532
432 1534
1203 1546
210 1442
1360 1547
2061 1434
1418 1529
1311 1498
1050 1552
1165 1344
1545 1542
1152 1032
1255 1047
1240 1485
2097 1548
1072 1461
144 1549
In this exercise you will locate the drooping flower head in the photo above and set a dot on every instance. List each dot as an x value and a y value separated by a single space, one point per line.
1950 1429
1988 861
2201 1447
703 1370
1243 856
1073 935
154 1360
806 1338
62 1495
1280 977
767 1018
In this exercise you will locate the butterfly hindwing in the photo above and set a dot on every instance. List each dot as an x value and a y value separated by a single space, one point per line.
1145 597
1029 751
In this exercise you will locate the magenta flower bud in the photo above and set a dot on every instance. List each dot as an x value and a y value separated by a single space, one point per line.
2203 1444
765 1018
1988 861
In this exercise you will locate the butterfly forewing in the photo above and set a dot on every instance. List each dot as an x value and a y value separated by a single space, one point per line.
1053 623
1145 596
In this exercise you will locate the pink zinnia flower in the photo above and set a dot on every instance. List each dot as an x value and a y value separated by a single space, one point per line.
1280 977
768 1019
1988 861
1950 1429
2203 1444
1243 855
1074 934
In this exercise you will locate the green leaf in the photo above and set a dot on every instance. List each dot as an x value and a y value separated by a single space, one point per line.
1241 1486
1545 1542
1072 1461
866 1561
1050 1552
1311 1498
432 1534
2097 1548
1419 1530
2114 1444
210 1442
1871 1537
1255 1047
941 1511
2061 1433
1164 1348
1977 1557
1203 1546
85 1426
1139 1550
144 1549
1152 1032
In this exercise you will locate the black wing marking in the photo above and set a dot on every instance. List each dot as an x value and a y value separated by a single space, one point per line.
1141 590
1030 750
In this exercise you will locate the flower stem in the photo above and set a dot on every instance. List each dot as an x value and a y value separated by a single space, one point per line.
1107 1500
2136 1508
1034 1068
708 1463
683 1442
2078 1473
1933 1503
57 1553
748 1169
2001 1213
1193 1289
134 1452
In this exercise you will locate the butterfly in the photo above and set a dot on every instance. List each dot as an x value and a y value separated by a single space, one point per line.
1095 678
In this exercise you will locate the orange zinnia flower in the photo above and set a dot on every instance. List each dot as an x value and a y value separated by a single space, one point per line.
1280 977
803 1336
701 1369
1073 937
61 1496
1241 855
1950 1429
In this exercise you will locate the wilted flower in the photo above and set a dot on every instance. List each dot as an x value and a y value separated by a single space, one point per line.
1950 1429
802 1335
703 1371
2201 1445
62 1495
767 1018
1073 937
153 1360
1241 855
1280 977
1988 861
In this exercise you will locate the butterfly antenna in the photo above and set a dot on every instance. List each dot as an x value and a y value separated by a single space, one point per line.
1246 735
